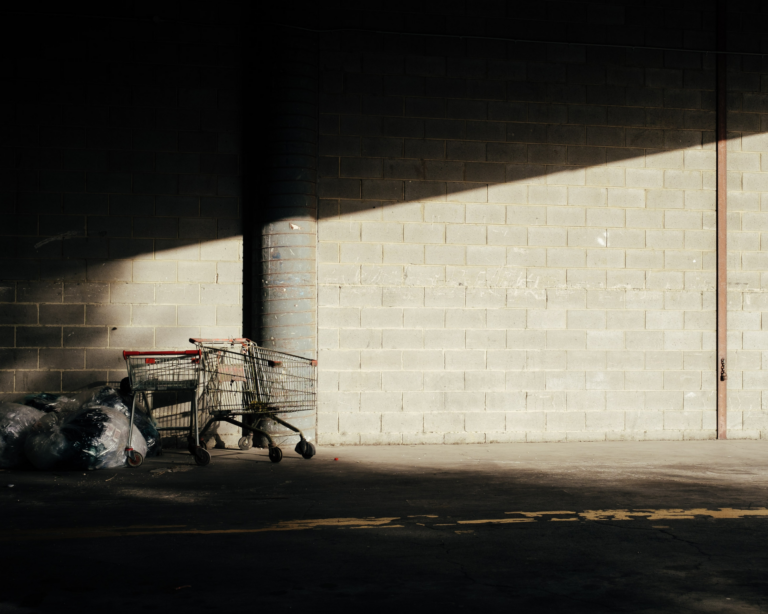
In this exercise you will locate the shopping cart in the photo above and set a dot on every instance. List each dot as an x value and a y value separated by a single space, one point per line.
165 371
239 378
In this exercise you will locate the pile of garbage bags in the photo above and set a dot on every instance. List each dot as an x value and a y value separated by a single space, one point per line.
82 432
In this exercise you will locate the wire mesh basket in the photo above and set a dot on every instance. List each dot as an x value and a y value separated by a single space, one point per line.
251 379
262 387
163 371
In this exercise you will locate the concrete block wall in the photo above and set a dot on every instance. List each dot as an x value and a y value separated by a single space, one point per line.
120 204
517 242
747 242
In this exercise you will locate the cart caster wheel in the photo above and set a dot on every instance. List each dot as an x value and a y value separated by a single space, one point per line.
192 446
134 458
275 455
301 447
245 443
309 451
202 457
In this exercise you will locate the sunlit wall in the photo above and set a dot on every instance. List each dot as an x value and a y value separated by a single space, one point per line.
517 241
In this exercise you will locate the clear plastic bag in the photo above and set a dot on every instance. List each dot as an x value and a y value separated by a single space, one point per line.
147 427
82 439
109 397
15 424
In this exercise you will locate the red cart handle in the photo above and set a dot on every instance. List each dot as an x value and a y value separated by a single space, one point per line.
162 353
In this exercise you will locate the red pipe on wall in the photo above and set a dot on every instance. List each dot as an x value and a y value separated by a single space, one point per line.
722 227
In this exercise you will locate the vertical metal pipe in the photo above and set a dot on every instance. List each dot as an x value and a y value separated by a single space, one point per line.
722 228
252 178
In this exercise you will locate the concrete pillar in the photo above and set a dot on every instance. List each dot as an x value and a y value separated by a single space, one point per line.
283 248
284 258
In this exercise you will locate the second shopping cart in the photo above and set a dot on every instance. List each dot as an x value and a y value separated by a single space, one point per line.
239 379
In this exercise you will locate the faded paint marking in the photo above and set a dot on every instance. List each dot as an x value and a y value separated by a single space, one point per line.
386 523
671 514
639 514
293 525
497 521
539 514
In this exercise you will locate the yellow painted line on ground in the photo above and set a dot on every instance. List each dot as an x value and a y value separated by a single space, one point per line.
640 514
293 525
627 514
497 521
387 523
673 514
155 526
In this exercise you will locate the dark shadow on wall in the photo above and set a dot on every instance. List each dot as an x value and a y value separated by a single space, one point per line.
405 116
121 142
115 147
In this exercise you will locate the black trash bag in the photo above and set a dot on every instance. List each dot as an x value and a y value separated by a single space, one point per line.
16 421
102 396
45 401
82 439
109 397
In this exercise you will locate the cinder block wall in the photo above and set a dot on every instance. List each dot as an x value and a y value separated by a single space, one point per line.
747 244
120 193
516 241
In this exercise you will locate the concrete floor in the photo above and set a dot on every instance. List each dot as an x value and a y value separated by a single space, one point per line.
638 527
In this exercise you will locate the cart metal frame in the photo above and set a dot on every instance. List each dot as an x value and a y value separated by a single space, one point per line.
161 371
240 378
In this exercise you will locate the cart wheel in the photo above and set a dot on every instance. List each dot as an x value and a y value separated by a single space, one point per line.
301 447
192 446
275 455
202 457
134 458
244 443
309 451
